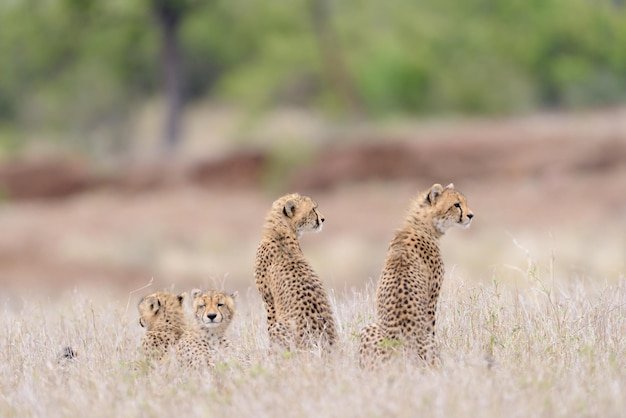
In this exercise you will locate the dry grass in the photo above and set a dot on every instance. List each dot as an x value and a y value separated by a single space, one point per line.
545 348
536 328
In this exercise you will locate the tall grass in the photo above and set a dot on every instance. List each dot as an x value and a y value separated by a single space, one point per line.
545 349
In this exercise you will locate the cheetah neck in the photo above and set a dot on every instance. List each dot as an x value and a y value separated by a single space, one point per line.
274 225
284 238
211 334
417 230
422 224
170 318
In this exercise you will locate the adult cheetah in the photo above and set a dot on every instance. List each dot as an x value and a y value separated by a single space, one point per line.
298 309
204 340
408 289
162 315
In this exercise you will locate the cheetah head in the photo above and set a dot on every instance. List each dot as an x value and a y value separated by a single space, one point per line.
300 212
156 305
213 309
447 207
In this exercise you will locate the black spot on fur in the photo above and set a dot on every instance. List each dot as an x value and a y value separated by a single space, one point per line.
68 353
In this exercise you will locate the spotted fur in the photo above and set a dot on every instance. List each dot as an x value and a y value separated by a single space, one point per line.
162 315
297 306
409 286
204 340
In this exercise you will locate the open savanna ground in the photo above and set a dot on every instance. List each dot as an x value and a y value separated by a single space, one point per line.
544 347
543 186
532 316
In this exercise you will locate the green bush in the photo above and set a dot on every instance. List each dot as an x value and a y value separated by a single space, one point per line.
77 65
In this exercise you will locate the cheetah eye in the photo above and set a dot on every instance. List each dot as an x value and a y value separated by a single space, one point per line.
219 305
457 205
201 306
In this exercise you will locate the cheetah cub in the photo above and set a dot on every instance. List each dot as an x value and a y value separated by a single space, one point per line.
408 289
298 309
162 315
205 340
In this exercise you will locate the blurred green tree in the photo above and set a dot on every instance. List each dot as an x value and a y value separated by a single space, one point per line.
170 15
75 70
332 55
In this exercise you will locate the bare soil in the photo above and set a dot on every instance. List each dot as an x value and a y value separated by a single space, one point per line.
63 223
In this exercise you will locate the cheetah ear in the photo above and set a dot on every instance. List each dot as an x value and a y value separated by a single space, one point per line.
289 209
195 293
450 186
230 301
434 193
155 305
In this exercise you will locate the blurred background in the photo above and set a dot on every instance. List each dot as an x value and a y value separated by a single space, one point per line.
147 139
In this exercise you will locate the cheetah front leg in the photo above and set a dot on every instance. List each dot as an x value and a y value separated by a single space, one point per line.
424 350
431 352
374 347
268 301
430 348
281 336
270 309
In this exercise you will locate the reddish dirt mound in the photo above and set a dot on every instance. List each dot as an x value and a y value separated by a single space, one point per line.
547 147
460 159
54 178
242 169
49 178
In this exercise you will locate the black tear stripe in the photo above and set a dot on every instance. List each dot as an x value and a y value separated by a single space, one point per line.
461 217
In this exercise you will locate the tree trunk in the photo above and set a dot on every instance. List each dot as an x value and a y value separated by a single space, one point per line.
169 22
332 58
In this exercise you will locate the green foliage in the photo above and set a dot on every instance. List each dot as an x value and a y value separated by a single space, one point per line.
79 65
73 65
4 196
483 56
9 140
284 159
390 343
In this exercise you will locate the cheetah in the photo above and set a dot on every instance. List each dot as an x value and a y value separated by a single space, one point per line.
298 309
409 286
162 314
204 339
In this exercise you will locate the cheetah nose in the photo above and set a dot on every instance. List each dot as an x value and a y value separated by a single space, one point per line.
470 215
321 219
212 316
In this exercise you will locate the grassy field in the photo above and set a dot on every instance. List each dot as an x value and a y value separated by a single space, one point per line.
544 347
532 317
